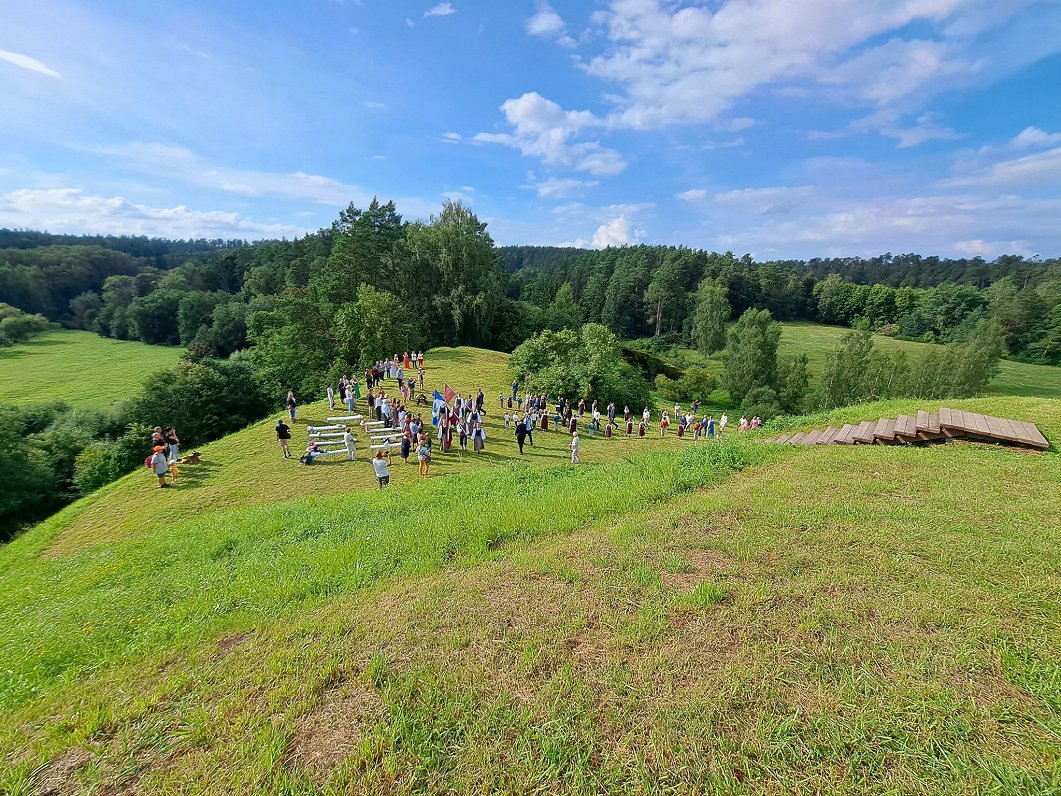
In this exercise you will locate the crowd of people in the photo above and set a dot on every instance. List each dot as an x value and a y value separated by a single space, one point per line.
164 456
395 412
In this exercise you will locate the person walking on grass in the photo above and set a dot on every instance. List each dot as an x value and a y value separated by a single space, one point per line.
722 423
574 448
160 465
283 436
292 405
423 455
379 466
521 435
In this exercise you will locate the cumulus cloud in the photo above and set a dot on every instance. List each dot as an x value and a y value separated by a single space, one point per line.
547 23
676 64
441 10
614 233
541 128
71 210
26 62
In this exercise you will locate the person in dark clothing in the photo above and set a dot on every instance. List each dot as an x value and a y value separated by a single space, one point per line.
521 435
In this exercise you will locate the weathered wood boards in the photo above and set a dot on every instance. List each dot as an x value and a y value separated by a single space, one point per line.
925 426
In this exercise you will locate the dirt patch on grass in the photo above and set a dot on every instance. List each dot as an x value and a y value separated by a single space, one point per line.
226 644
702 562
58 777
333 731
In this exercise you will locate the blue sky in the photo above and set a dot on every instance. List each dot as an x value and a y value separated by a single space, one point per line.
782 128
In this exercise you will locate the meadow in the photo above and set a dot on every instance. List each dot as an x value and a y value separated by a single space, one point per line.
80 368
818 340
668 617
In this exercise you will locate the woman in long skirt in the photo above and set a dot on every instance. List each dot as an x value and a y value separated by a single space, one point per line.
478 438
641 430
629 428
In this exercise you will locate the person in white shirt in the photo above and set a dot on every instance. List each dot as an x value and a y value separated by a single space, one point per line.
574 448
379 464
722 423
348 440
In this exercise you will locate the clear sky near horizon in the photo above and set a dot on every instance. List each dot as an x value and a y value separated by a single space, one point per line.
782 128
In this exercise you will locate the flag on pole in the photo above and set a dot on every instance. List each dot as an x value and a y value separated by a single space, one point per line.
449 394
436 407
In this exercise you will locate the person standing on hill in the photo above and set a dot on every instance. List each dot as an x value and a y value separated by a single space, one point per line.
331 396
423 456
173 444
348 441
480 401
722 423
283 436
160 465
292 405
379 466
574 448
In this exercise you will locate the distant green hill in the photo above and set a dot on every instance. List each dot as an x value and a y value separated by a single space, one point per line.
818 340
668 616
78 367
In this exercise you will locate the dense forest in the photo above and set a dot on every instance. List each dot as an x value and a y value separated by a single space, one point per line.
445 282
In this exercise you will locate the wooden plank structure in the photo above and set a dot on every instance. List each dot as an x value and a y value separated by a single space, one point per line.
924 427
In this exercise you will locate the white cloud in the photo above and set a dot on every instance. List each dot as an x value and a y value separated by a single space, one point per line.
676 63
542 129
1034 137
555 188
614 233
547 23
1039 168
26 62
441 10
451 138
71 210
692 195
179 163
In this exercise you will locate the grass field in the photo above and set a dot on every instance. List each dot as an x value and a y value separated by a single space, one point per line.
80 368
817 341
668 617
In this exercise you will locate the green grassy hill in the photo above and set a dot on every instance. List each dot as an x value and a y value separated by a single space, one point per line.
80 368
817 341
669 616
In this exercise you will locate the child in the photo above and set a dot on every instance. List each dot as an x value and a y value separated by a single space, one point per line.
508 419
160 465
379 465
423 455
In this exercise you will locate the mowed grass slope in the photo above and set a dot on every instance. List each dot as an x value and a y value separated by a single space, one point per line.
246 468
80 368
730 617
817 341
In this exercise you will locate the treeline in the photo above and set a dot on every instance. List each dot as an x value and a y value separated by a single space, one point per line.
222 296
651 291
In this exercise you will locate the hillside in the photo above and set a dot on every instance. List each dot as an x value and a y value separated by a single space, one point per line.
818 340
80 368
668 616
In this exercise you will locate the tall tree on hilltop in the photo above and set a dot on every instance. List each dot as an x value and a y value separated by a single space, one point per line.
457 272
751 357
710 317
